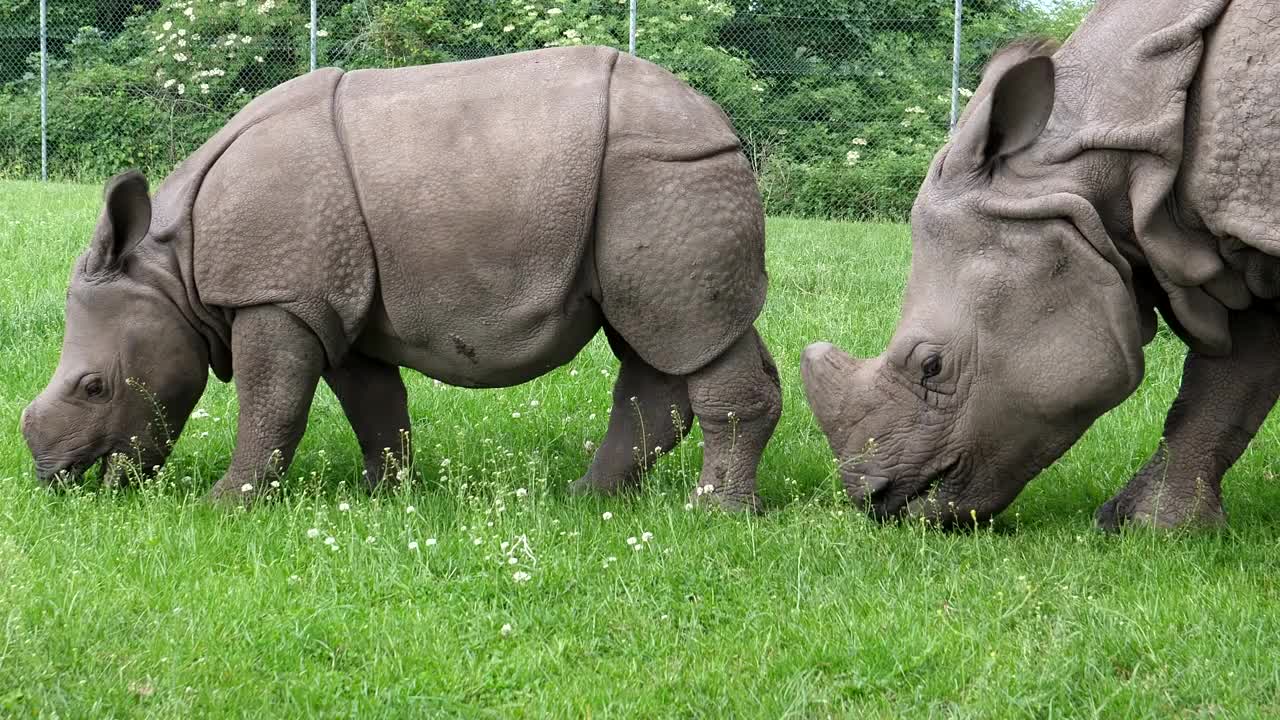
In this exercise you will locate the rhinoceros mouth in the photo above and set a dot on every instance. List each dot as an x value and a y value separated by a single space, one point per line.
890 499
66 474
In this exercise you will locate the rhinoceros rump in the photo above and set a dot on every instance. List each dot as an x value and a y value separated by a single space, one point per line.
1086 188
477 221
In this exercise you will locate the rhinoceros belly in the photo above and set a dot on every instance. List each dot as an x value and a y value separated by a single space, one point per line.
477 181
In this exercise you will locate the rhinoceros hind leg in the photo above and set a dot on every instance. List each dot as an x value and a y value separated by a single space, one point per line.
650 415
738 401
374 400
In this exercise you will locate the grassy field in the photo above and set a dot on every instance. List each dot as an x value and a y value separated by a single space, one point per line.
330 603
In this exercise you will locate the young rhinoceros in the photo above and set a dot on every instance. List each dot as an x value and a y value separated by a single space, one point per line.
477 221
1130 171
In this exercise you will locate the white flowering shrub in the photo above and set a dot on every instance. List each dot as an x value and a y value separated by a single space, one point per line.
840 106
223 48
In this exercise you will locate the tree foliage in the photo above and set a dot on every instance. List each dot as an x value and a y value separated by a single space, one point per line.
840 103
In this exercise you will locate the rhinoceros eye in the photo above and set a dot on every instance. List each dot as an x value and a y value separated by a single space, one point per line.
93 387
931 366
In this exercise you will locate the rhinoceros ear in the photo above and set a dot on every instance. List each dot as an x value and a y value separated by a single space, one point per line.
1014 104
126 217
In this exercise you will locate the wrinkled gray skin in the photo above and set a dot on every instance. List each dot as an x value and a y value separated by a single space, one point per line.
1131 171
478 222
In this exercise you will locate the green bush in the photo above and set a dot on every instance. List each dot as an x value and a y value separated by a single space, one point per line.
840 110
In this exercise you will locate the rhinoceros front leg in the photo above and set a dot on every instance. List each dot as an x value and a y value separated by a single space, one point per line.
1220 406
374 400
277 362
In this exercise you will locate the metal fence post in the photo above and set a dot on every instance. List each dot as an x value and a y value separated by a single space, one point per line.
955 67
313 34
633 27
44 93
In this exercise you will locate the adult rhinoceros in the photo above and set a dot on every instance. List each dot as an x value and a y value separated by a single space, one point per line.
1086 187
477 221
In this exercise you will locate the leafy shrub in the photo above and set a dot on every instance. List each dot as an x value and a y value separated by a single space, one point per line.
839 110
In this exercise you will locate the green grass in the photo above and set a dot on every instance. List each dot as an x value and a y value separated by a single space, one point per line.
148 603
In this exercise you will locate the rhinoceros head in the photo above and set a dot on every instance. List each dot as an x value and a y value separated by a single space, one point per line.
1019 326
131 368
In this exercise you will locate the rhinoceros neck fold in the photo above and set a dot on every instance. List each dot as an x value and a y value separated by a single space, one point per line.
173 231
167 269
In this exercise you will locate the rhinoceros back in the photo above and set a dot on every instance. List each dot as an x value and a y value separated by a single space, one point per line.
479 220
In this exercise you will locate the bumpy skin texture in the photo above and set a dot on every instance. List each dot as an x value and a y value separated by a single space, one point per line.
1086 189
478 222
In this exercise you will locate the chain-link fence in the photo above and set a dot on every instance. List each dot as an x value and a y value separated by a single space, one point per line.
840 103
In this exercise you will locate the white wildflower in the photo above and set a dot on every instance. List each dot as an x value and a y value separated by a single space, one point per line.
476 25
858 141
554 11
204 88
180 57
319 33
330 540
190 13
167 26
169 83
966 93
607 515
646 536
851 157
506 629
247 487
313 533
410 509
343 507
632 540
521 492
571 33
431 541
508 28
520 576
413 544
